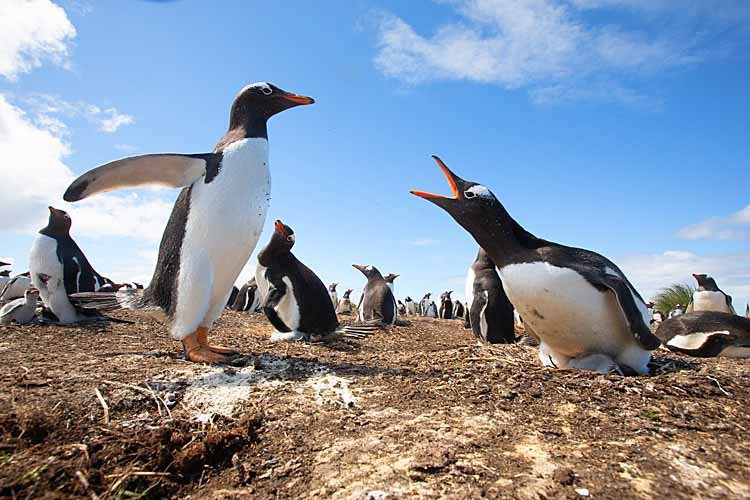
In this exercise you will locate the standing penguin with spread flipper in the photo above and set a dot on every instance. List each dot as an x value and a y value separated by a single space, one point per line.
579 304
709 297
490 313
377 302
215 223
296 301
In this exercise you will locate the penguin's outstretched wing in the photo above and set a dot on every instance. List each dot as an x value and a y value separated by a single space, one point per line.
621 289
168 169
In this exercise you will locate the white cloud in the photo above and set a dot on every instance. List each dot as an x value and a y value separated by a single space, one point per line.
30 32
718 228
547 46
34 175
651 272
48 109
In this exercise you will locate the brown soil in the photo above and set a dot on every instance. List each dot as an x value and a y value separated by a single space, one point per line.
420 411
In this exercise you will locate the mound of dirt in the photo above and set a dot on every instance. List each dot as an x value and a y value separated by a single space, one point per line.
114 411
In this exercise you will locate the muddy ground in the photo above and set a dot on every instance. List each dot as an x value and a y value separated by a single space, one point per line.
420 411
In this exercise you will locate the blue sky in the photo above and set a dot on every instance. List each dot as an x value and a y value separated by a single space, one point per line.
614 125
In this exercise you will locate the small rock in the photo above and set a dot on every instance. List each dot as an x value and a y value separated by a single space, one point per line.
584 492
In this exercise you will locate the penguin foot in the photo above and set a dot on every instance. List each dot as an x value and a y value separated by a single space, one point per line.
202 333
200 353
287 336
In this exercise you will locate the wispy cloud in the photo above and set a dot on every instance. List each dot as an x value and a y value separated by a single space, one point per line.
32 31
548 47
49 109
423 242
128 148
718 228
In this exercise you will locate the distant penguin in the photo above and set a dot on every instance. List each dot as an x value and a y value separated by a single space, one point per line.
345 304
458 309
59 268
490 314
377 301
21 310
4 278
580 305
333 294
232 296
3 264
709 297
446 305
401 308
747 310
215 222
676 311
15 287
424 304
411 306
389 278
707 334
296 302
248 298
431 310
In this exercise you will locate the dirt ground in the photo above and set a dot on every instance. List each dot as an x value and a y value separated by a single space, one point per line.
419 411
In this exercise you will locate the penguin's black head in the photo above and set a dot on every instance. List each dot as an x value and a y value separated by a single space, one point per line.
59 221
347 293
332 287
706 282
5 273
260 101
472 205
390 277
283 236
369 271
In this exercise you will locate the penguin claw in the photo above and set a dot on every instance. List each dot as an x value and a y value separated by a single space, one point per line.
206 355
222 350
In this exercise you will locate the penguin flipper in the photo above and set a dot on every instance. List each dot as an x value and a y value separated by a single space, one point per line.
169 169
638 327
276 292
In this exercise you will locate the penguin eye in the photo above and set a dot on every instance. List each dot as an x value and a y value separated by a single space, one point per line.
289 238
266 90
469 194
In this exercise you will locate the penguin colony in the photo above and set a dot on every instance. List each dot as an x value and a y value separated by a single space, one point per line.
579 306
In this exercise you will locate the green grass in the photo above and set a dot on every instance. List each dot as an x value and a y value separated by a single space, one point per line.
669 297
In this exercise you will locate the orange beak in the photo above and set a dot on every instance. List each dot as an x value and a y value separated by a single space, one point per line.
299 99
280 228
358 267
451 181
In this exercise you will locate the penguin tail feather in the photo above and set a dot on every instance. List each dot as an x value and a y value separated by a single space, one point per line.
130 298
360 330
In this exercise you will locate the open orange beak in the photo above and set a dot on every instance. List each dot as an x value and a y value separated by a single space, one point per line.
280 228
298 99
450 176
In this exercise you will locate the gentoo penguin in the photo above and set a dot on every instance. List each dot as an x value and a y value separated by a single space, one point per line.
446 305
4 278
345 304
709 297
401 308
747 310
707 334
59 268
389 278
377 302
248 298
411 306
490 313
216 220
15 287
458 309
232 296
676 311
579 304
333 294
296 302
431 310
21 310
425 303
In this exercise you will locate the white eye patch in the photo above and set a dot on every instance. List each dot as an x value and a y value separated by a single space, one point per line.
478 190
262 86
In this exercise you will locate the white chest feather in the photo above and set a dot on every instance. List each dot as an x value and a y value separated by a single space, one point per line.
565 311
710 301
227 214
43 263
